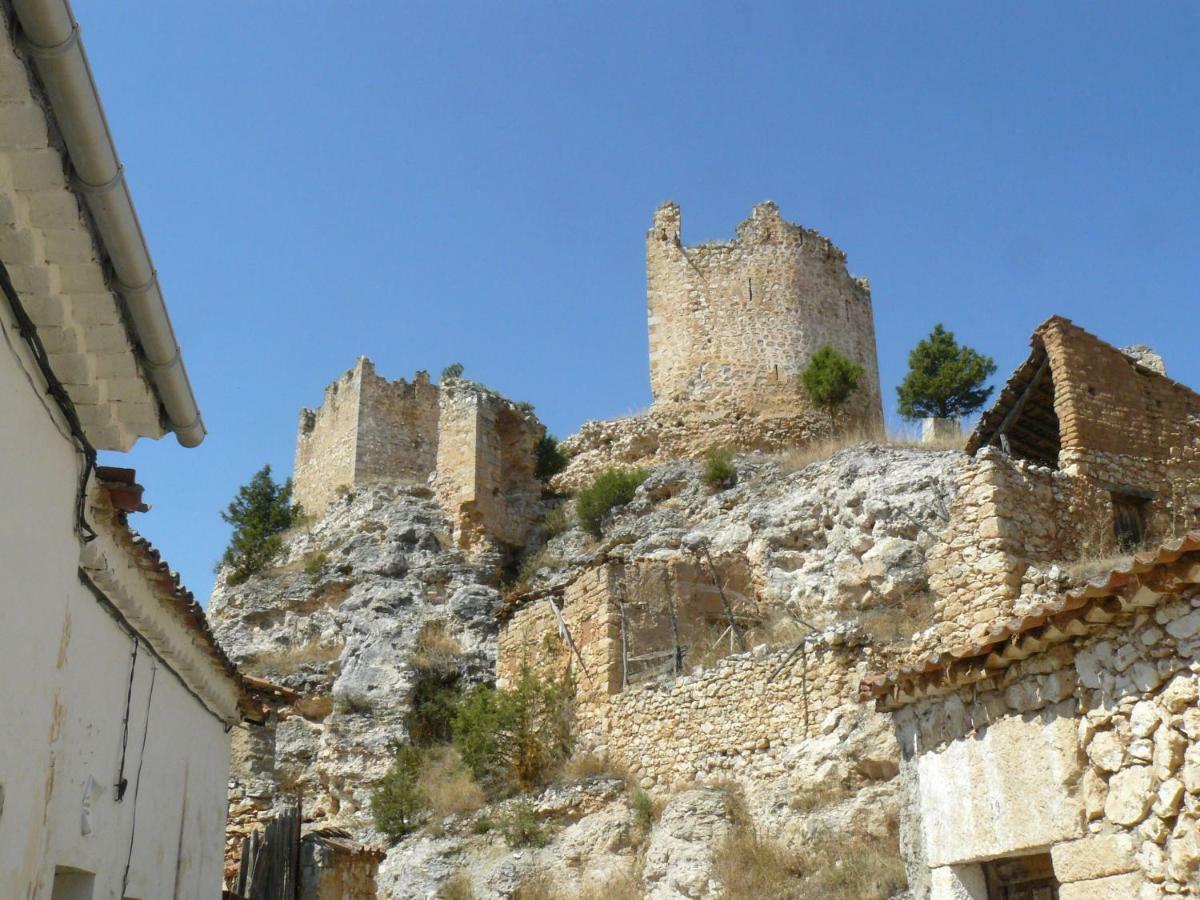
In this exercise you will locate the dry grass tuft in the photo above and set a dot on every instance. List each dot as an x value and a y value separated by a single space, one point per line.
538 886
293 659
820 450
819 796
448 786
436 650
623 885
457 887
832 867
590 765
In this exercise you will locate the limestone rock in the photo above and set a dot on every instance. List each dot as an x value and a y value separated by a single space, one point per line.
1129 795
679 857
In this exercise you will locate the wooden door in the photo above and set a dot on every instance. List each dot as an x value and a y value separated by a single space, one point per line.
1021 878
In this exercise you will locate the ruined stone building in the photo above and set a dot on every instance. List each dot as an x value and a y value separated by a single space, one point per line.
1062 751
1086 452
116 699
732 326
475 449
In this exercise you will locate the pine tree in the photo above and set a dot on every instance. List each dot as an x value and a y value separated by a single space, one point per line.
830 378
259 514
944 379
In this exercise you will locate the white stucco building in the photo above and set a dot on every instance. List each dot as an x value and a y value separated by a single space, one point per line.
115 701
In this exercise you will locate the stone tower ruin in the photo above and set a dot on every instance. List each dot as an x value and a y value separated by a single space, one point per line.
734 323
474 448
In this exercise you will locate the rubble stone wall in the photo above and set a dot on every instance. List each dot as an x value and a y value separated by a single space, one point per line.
1126 427
397 428
1009 522
326 443
1092 748
727 721
485 464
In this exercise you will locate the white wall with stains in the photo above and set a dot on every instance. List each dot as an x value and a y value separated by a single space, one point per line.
65 686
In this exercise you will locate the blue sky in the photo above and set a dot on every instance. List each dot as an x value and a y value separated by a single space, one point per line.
430 183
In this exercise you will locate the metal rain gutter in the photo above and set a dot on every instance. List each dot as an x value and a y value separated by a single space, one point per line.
51 37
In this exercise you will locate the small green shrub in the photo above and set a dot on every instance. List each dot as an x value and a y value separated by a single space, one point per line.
556 522
719 471
397 802
315 564
482 824
829 379
514 739
430 716
452 371
522 827
260 513
611 488
644 812
551 458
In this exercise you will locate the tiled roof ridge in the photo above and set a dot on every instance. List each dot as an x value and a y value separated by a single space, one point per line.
1012 639
168 584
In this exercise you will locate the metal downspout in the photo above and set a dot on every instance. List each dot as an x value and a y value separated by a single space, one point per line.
51 37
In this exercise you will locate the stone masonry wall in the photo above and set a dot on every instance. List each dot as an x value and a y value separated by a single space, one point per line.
1125 426
735 322
326 443
367 428
397 428
724 721
732 325
728 720
1010 522
486 455
1092 748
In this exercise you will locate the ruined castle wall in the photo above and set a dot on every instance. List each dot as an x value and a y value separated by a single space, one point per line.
736 322
485 464
1090 749
397 429
326 442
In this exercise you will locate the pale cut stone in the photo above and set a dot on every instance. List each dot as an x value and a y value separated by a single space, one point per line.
1129 795
1113 887
1183 854
957 883
1143 719
1180 693
1186 627
1105 751
1093 857
1169 746
1191 769
1095 792
1170 792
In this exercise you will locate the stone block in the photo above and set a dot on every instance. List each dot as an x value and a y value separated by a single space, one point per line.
1129 795
1093 857
1112 887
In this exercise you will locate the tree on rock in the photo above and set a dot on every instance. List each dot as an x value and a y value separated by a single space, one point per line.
944 380
260 513
829 379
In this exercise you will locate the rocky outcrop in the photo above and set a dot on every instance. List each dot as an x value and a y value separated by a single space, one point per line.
338 621
841 543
